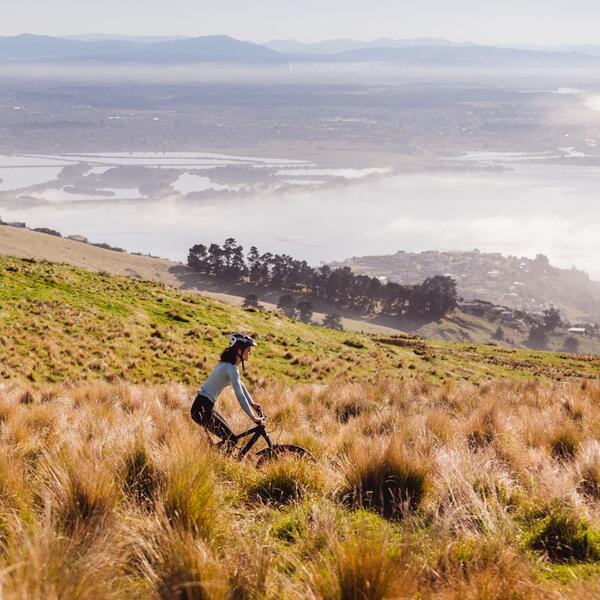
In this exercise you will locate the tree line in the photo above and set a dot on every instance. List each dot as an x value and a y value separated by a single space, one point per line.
431 299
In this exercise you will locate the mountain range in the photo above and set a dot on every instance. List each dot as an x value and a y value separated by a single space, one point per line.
220 48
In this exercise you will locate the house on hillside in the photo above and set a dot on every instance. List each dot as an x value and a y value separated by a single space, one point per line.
577 330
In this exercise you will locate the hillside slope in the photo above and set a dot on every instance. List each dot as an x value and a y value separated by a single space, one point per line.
457 326
59 322
24 243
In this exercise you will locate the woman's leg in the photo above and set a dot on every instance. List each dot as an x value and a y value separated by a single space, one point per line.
204 414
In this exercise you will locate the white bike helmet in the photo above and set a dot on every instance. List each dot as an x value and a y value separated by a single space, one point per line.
244 341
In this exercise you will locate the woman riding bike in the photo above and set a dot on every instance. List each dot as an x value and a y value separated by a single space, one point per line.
224 374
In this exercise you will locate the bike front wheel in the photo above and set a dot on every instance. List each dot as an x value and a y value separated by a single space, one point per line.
279 450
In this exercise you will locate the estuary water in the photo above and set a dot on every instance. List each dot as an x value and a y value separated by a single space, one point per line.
163 204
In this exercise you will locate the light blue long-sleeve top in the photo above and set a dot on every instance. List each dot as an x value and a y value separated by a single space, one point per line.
222 375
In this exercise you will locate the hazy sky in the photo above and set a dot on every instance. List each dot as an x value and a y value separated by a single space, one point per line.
483 21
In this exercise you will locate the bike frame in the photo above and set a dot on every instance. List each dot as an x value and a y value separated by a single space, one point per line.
256 432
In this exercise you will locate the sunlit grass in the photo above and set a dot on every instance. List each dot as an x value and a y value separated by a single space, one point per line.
112 491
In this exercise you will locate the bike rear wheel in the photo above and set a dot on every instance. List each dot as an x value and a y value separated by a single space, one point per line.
279 450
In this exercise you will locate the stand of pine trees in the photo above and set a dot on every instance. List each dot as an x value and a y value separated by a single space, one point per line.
431 299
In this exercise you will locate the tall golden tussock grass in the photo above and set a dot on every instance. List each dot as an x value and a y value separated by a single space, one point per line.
190 496
363 566
385 478
485 568
109 490
80 491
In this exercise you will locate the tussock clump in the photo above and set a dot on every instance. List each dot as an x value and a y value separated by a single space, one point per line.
349 409
84 494
362 567
253 572
588 471
482 569
27 397
350 402
46 564
589 483
574 410
141 479
439 424
385 480
285 480
15 489
189 498
564 536
564 445
182 567
483 429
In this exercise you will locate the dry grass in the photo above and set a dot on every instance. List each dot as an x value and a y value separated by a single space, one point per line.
419 491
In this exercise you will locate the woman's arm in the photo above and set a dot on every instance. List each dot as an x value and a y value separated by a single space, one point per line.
241 393
255 405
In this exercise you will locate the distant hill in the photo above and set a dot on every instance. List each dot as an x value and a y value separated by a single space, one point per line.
146 39
219 48
521 283
335 46
464 55
222 48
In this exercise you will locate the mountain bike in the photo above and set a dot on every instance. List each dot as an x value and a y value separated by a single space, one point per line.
273 450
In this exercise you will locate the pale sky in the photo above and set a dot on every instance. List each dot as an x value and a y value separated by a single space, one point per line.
532 22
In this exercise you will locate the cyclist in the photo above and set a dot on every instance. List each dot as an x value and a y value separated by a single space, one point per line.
224 374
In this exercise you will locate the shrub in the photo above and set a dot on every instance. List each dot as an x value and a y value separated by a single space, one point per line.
387 482
250 301
353 343
333 321
565 537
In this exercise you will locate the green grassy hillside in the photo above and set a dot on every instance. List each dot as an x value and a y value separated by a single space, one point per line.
58 322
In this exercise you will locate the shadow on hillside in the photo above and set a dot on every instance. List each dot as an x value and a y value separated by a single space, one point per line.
190 280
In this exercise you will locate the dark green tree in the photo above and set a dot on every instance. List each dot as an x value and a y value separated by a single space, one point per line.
552 319
571 344
538 337
287 305
251 301
435 297
333 321
197 258
305 311
214 260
